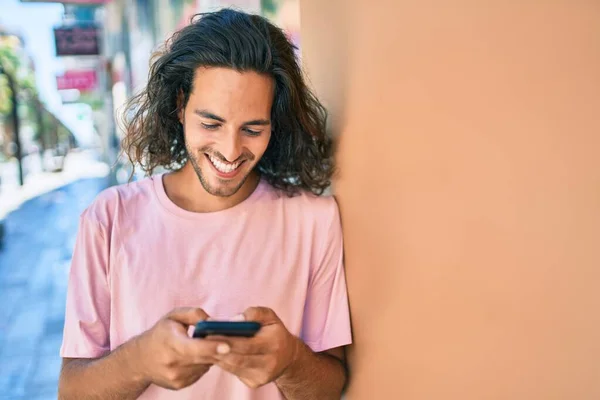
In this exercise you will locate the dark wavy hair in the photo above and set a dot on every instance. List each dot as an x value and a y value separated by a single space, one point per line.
299 154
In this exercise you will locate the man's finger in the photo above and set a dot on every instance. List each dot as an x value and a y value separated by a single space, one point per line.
237 363
232 369
188 315
263 315
240 345
201 351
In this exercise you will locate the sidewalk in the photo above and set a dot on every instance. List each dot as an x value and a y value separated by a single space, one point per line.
34 265
78 165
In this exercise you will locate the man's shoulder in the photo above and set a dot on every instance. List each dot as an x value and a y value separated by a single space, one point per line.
308 205
117 199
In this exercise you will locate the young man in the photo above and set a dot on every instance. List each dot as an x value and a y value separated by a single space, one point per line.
235 232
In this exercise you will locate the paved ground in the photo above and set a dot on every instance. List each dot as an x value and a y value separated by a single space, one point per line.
33 277
77 165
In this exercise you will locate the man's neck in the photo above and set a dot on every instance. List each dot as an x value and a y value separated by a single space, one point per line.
185 190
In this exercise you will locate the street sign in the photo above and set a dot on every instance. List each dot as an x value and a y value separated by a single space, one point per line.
83 81
77 40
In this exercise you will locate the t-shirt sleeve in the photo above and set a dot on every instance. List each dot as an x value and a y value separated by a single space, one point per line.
326 322
87 316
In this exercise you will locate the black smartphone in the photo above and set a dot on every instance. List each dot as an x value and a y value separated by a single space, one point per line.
226 328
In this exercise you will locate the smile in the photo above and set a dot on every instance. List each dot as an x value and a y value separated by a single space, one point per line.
224 167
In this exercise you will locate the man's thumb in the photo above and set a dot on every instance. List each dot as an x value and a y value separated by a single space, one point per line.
188 315
263 315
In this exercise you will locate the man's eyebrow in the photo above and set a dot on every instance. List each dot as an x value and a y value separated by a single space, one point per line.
258 122
210 115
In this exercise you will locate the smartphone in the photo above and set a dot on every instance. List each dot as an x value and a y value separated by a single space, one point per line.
226 328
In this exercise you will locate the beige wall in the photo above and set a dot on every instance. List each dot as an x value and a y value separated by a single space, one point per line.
470 193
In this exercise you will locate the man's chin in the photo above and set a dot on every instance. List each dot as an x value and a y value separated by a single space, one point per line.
223 190
221 187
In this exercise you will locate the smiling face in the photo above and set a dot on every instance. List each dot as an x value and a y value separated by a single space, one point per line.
227 126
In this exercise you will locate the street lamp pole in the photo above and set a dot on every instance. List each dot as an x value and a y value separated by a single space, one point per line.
15 117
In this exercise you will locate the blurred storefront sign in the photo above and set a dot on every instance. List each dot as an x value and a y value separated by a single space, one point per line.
77 40
83 81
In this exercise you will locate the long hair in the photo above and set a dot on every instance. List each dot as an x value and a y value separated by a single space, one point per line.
299 154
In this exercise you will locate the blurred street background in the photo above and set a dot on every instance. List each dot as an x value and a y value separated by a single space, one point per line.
66 70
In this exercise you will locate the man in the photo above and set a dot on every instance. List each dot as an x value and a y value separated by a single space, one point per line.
235 232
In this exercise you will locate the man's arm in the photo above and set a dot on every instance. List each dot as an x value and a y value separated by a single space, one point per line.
314 375
164 355
114 376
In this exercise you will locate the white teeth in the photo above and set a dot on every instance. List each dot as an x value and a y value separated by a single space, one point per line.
223 167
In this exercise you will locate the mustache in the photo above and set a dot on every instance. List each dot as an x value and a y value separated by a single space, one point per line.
245 156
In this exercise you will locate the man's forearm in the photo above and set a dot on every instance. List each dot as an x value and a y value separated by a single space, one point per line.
312 376
114 376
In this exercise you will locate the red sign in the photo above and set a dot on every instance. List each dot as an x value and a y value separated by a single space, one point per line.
84 81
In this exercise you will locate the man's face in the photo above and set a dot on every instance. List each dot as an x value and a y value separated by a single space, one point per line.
227 126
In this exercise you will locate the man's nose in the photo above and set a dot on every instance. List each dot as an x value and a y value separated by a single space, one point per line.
231 147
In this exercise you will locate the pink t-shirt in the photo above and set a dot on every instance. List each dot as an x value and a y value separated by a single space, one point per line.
138 256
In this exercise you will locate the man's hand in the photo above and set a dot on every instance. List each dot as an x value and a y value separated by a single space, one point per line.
168 357
263 358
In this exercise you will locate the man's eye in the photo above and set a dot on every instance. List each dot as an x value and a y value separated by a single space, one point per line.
250 132
210 127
